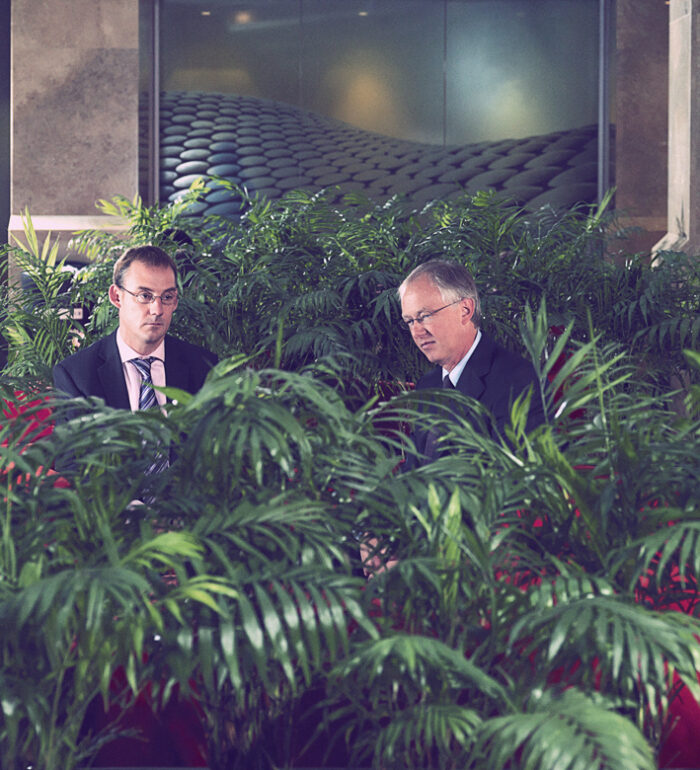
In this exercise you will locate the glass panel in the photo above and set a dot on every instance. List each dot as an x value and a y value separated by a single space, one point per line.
516 68
426 98
376 65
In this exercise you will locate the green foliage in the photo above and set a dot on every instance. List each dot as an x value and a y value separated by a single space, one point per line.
295 280
525 622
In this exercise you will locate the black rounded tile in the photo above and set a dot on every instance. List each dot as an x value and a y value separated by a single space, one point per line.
284 162
257 182
564 197
184 182
307 154
197 143
224 169
550 158
221 196
198 133
171 151
223 157
225 136
520 194
173 139
488 180
286 172
369 175
279 153
243 141
532 177
252 160
254 171
194 154
252 150
330 179
513 160
224 209
270 193
586 172
183 118
320 171
293 182
192 167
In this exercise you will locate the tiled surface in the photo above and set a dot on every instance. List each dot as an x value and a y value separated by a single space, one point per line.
270 148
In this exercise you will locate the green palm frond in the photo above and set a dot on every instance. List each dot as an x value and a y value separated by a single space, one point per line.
571 732
632 646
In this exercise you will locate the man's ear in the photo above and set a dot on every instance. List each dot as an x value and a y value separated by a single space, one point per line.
114 297
467 308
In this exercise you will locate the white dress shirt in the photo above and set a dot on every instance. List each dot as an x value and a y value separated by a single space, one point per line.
132 378
456 372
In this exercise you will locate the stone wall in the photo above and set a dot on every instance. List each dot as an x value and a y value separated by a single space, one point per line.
641 119
75 75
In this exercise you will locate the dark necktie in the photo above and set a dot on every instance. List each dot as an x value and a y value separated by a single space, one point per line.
447 382
147 396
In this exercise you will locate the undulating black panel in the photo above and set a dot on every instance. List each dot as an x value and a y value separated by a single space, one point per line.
270 148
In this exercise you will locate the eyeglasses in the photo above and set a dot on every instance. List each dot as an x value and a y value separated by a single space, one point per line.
421 318
148 297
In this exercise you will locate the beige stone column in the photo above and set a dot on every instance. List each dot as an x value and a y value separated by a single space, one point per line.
74 93
641 121
683 130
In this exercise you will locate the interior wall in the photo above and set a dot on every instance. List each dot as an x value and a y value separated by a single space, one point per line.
4 118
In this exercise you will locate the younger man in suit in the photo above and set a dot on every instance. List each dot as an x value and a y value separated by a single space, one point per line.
144 290
440 305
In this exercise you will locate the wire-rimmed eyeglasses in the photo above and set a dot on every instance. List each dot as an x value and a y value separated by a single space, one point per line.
148 297
421 318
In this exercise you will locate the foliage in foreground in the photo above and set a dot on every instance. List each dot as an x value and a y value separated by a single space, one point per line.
526 622
529 599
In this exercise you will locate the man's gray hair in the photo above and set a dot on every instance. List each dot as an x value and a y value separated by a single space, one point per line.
453 281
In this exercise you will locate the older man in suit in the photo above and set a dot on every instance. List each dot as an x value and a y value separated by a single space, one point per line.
121 367
440 305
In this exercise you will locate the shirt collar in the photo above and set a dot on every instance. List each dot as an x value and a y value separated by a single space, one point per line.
456 372
126 353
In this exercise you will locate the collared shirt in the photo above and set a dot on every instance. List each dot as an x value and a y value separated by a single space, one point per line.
456 372
132 378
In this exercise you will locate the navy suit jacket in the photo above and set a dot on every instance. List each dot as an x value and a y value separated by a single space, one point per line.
493 376
97 370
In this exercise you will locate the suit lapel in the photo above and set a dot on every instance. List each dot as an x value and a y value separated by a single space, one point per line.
176 374
472 381
111 375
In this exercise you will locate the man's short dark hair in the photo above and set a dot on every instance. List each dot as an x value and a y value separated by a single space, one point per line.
153 256
452 279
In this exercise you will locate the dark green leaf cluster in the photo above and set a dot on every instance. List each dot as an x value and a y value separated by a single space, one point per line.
505 606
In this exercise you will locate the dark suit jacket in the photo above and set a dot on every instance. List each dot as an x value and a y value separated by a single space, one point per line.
97 370
493 376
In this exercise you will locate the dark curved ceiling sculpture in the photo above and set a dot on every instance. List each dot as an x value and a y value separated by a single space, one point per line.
271 148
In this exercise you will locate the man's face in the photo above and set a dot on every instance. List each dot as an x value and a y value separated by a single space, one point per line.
445 337
143 326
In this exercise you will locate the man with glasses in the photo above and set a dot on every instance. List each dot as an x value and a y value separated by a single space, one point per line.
120 368
440 306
